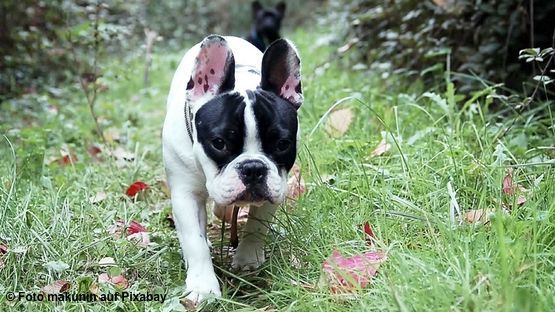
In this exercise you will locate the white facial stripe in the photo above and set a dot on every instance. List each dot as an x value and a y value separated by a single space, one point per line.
252 143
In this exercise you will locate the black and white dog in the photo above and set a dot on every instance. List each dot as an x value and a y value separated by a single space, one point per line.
230 135
266 24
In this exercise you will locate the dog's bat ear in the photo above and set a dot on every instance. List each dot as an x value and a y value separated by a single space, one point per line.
280 7
214 69
281 71
255 6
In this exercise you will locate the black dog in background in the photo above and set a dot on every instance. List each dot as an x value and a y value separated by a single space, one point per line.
267 23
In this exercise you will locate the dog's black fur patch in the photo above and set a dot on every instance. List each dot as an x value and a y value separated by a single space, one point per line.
277 126
222 118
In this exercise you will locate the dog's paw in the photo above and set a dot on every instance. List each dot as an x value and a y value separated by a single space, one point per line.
247 258
200 289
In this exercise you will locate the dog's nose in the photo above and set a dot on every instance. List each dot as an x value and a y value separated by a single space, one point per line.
253 171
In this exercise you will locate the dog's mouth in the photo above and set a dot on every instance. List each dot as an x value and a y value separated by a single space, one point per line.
253 197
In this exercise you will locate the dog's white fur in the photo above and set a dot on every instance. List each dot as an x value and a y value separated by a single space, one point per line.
193 177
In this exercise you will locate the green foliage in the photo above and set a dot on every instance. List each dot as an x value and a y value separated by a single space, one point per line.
481 38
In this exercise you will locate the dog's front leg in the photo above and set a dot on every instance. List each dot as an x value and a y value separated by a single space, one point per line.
189 214
250 252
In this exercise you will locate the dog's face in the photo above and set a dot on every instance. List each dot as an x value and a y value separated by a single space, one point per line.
267 21
245 140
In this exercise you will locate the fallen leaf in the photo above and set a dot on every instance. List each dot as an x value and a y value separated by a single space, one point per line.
189 304
57 287
98 198
295 185
137 232
382 148
135 227
339 121
119 280
67 159
3 249
95 151
142 238
370 237
107 261
510 188
136 188
346 274
480 216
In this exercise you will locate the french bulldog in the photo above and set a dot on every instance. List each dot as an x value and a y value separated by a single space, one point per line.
230 135
266 24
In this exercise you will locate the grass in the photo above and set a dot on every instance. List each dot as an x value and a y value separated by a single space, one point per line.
434 263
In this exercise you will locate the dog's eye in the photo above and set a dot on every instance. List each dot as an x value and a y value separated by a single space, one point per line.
283 145
218 144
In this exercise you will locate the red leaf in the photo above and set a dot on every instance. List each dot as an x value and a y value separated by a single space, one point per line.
119 281
351 273
136 188
135 227
67 159
370 237
56 287
135 232
94 151
508 187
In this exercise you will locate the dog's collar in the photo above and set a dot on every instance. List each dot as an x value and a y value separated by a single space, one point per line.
188 120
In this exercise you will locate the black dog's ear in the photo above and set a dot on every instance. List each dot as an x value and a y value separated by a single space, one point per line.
214 69
281 72
280 7
256 6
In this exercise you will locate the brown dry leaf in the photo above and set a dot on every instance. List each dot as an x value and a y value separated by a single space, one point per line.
57 287
296 186
480 216
94 151
189 304
339 121
382 148
98 198
477 216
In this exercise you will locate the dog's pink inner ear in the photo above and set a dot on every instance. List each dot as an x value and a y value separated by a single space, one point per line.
281 72
292 90
213 69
